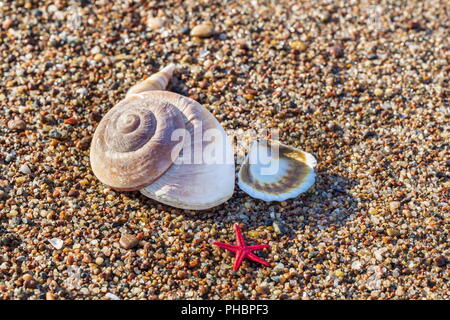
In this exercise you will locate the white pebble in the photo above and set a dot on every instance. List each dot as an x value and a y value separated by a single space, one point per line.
356 265
279 266
57 243
154 23
112 296
25 169
82 92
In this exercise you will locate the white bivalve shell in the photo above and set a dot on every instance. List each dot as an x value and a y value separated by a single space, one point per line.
166 145
273 171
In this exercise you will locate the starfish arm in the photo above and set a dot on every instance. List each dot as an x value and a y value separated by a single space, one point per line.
240 255
239 238
258 247
255 258
226 246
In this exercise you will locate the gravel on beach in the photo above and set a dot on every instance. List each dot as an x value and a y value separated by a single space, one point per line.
362 85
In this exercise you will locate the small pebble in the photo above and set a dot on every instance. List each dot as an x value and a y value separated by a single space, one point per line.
84 143
393 206
71 121
97 57
10 157
337 51
30 284
55 134
262 289
128 241
49 296
253 234
356 265
378 92
203 30
399 291
278 227
298 45
440 261
16 125
27 276
184 29
7 23
278 267
112 296
412 25
25 169
73 193
154 23
56 243
84 291
392 232
95 116
339 273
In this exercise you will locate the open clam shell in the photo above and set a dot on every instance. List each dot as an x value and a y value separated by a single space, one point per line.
273 171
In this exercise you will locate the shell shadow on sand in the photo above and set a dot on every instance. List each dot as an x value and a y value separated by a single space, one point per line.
329 203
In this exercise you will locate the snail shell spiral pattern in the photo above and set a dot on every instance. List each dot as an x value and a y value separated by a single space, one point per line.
143 143
132 146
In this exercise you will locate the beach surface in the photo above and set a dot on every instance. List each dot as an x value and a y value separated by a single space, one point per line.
361 85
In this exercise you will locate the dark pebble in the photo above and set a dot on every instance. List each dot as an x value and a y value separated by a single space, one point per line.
337 51
95 116
412 25
30 284
84 143
73 193
440 261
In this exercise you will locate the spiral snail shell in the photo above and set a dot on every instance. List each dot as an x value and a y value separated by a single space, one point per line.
159 142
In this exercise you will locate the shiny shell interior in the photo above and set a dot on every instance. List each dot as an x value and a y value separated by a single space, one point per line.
275 172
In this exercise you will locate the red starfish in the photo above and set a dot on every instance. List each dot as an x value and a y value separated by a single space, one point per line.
242 251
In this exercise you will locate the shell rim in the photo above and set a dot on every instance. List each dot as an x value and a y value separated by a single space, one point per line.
311 162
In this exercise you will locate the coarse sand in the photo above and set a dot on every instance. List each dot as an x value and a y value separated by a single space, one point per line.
361 85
